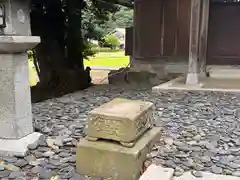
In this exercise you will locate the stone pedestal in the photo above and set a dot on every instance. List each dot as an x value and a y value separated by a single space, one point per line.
121 120
15 99
113 161
119 137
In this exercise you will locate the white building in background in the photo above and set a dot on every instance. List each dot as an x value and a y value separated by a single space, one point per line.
121 34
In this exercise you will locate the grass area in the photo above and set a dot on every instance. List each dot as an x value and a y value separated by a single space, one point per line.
108 59
33 77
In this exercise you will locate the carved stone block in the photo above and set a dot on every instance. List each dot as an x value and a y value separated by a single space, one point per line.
110 160
121 120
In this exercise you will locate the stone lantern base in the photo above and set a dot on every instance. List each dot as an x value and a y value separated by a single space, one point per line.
16 128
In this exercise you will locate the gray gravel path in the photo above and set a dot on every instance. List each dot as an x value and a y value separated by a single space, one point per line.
200 131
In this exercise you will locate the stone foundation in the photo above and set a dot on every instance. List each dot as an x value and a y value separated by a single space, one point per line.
111 160
120 134
162 68
148 71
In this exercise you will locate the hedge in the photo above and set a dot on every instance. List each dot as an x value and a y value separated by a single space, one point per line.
101 49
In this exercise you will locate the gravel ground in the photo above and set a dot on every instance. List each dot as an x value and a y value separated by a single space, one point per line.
200 132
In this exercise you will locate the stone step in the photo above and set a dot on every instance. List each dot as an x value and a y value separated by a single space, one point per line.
112 161
206 176
154 172
225 72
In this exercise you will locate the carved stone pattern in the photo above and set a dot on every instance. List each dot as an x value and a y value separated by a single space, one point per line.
108 126
143 121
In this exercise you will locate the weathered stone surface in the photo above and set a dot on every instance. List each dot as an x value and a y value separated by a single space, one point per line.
120 119
118 76
205 176
111 160
157 173
15 108
18 147
190 119
17 18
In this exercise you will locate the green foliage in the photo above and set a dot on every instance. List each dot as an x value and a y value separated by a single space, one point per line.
120 17
123 18
95 16
30 55
104 49
69 25
99 18
87 49
111 41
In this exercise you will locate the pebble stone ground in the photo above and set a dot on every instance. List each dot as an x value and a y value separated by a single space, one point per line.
200 132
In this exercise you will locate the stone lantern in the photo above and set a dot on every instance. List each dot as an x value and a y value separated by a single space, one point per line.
16 128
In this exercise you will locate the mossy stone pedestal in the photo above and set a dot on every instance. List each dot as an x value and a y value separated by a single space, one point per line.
119 137
120 120
112 160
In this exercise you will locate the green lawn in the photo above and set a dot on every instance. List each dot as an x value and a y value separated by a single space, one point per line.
108 59
33 77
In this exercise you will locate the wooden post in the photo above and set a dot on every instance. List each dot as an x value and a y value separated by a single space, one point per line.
204 37
135 33
193 65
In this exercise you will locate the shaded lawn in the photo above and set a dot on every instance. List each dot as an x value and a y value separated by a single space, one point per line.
33 76
108 59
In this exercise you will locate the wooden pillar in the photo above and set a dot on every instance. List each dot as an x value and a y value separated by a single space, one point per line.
147 32
135 41
204 37
193 64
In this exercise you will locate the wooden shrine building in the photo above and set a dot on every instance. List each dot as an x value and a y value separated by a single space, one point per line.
186 34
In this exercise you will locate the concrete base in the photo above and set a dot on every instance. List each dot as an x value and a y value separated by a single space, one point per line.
192 79
226 72
165 67
205 84
206 176
112 161
18 147
154 172
161 67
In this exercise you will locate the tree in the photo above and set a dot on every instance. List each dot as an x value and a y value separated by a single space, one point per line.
65 27
111 41
123 17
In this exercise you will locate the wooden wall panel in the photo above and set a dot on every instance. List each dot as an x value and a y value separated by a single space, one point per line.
148 21
170 27
223 34
129 41
162 28
183 32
